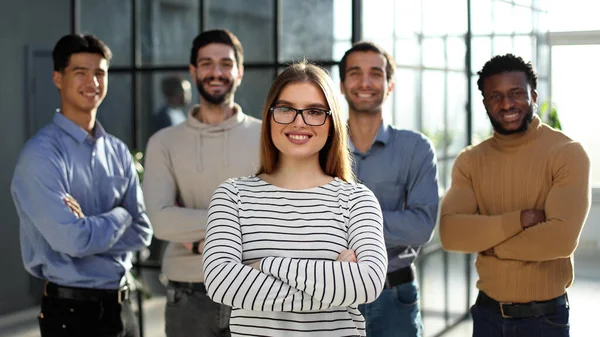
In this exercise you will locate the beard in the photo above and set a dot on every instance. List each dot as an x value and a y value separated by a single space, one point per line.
214 99
373 108
522 128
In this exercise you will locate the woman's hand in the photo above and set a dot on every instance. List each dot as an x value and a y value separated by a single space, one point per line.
347 255
254 264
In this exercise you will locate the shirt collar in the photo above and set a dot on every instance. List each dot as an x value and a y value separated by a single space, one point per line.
382 136
74 130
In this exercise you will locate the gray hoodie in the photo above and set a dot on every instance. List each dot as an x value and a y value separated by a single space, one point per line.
184 165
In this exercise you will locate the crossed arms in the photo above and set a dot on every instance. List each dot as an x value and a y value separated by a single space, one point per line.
290 284
525 235
42 197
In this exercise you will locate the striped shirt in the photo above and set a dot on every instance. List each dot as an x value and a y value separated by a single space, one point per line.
297 235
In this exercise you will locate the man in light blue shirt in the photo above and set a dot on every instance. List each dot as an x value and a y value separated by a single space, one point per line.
399 166
80 205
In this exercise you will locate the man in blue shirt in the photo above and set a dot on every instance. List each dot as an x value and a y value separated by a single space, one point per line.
399 166
80 205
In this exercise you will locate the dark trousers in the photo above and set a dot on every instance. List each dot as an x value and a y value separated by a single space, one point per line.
62 317
487 323
191 313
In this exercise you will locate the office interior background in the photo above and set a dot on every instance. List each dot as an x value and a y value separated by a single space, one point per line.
438 45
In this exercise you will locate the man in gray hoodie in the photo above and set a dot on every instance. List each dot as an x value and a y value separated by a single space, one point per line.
184 165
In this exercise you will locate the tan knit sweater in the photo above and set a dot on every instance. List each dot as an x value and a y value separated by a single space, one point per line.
491 184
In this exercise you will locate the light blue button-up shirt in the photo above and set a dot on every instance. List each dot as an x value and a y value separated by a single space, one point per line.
96 250
401 170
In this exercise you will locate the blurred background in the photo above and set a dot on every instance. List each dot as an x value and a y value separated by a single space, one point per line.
439 45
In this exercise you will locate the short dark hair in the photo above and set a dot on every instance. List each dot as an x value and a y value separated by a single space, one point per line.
222 36
365 46
172 85
77 43
504 64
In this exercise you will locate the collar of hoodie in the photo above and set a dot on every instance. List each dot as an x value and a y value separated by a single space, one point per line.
214 131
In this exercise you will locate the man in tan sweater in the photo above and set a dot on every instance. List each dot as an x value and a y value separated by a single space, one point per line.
184 165
519 199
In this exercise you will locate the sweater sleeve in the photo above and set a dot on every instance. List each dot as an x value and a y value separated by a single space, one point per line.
336 283
462 229
567 206
227 279
170 221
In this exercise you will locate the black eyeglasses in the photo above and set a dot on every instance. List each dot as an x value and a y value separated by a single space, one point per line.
310 116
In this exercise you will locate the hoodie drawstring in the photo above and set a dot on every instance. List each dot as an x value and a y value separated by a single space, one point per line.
199 165
225 151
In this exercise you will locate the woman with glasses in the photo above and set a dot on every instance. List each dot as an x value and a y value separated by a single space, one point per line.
297 247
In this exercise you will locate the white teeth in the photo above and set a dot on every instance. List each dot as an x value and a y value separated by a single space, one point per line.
298 137
364 95
89 94
215 83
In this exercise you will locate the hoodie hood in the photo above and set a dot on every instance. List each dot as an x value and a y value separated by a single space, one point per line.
215 129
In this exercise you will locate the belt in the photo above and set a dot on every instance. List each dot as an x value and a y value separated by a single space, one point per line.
86 294
195 286
400 276
522 310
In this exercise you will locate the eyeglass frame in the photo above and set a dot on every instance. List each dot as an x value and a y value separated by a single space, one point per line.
301 113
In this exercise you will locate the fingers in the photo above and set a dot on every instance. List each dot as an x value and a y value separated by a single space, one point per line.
73 205
188 245
347 255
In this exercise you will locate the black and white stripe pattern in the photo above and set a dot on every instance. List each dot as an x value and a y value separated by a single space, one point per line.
300 289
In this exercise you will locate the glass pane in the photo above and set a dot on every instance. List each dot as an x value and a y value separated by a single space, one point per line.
432 293
522 20
457 294
456 51
503 20
339 49
481 127
250 21
406 114
378 19
408 19
543 89
168 29
527 3
502 45
342 20
481 16
457 114
523 46
298 38
436 14
116 112
110 21
434 54
252 92
407 52
574 15
578 117
481 52
161 98
433 109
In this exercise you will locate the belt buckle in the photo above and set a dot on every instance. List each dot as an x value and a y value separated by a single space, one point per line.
502 304
122 294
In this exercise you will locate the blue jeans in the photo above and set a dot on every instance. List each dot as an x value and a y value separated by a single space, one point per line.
395 313
487 323
191 313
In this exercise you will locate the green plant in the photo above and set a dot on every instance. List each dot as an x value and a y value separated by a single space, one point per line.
138 157
549 115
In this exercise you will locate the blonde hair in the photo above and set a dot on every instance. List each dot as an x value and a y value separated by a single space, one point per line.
334 157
